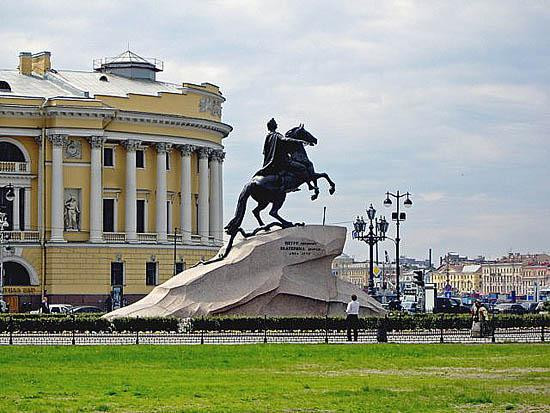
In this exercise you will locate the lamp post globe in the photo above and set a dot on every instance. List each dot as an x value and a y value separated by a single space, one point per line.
407 203
371 212
357 226
10 193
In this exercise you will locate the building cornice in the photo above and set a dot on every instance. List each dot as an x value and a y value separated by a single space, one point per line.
173 121
186 89
142 118
118 246
19 111
80 112
32 132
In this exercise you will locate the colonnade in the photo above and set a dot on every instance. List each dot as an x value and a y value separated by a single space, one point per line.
210 194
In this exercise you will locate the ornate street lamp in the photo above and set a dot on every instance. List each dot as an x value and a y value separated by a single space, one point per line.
398 217
370 238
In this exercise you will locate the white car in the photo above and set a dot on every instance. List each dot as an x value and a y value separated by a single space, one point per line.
56 309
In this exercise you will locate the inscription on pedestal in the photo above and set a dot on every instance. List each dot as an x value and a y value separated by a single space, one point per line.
301 248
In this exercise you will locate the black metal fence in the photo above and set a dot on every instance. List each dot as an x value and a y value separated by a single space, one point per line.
497 335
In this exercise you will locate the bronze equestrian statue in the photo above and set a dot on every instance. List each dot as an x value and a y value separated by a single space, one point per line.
286 167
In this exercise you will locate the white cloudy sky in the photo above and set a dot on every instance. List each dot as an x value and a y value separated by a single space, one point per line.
447 100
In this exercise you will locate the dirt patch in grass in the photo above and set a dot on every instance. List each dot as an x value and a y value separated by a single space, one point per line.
448 372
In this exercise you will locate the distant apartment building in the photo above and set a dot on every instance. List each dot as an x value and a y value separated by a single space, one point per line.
346 268
462 278
520 273
357 272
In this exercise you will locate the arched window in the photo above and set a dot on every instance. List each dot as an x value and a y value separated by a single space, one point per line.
4 86
16 274
10 153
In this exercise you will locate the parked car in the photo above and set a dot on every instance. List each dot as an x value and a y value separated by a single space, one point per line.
530 306
56 309
86 309
60 308
410 307
449 306
509 308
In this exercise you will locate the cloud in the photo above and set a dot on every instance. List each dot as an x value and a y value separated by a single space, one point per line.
448 101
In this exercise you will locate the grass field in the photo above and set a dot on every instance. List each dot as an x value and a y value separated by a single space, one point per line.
285 378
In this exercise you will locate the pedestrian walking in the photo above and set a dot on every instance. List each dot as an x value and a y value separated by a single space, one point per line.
480 316
44 306
352 318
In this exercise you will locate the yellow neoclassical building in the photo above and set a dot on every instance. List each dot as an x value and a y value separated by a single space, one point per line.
117 177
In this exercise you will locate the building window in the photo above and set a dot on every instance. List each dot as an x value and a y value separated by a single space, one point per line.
117 273
140 216
167 161
10 153
140 159
108 157
4 86
151 273
108 215
180 267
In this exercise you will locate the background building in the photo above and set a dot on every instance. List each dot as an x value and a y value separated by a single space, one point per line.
118 178
523 274
462 278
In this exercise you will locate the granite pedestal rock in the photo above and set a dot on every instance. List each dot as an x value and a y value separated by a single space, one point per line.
284 272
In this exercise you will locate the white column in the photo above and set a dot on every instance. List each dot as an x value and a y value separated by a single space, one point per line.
214 197
96 190
221 157
185 208
131 189
203 195
41 208
28 209
57 225
161 212
15 224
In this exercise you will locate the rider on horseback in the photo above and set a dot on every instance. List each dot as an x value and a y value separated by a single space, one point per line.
279 158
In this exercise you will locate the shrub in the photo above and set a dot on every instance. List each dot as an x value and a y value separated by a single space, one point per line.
145 324
53 323
400 322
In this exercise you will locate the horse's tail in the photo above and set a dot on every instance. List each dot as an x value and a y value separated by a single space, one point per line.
236 222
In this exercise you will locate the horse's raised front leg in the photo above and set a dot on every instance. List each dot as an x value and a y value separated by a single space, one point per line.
332 188
315 188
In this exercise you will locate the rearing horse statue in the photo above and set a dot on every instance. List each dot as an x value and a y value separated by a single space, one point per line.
286 168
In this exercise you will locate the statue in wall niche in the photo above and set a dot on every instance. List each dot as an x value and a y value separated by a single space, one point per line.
285 168
72 214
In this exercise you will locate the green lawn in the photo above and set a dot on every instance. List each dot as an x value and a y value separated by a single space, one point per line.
285 378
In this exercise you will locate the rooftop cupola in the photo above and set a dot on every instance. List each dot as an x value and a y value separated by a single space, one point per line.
130 65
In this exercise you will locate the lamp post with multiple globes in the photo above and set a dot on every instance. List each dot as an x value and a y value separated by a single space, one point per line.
370 238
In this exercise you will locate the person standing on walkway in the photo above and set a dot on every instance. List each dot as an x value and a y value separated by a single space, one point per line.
480 316
44 306
353 317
